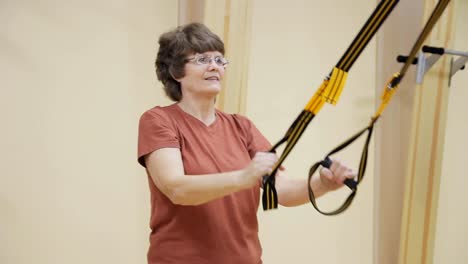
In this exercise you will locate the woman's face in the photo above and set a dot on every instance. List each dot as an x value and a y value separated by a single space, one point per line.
203 74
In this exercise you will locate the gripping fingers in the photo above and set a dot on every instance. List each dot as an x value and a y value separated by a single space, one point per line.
341 173
264 162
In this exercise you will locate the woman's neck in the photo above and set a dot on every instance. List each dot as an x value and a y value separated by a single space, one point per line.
204 110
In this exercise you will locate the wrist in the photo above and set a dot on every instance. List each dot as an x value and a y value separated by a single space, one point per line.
318 186
242 179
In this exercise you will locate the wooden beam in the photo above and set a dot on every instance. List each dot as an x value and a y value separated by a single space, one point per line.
232 21
425 151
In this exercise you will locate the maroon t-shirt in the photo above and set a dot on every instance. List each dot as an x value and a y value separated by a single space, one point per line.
224 230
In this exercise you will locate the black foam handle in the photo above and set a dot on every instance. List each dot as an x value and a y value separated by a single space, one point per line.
327 162
433 50
352 184
403 59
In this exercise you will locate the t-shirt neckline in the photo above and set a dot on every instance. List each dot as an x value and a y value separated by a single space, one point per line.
198 120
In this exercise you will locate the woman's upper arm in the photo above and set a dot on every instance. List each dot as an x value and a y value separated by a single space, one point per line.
165 168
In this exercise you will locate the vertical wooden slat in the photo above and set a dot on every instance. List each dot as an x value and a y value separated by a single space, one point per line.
232 21
396 37
191 11
425 151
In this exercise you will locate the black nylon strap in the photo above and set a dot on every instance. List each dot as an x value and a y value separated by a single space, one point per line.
362 169
436 13
270 196
381 12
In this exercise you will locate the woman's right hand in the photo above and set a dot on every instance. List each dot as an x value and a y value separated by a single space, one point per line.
261 164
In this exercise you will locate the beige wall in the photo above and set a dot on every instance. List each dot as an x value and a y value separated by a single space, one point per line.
75 76
451 232
294 45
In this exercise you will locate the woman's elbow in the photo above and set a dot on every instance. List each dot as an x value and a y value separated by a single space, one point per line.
180 197
174 191
286 202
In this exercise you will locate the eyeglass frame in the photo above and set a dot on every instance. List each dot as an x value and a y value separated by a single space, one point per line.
196 58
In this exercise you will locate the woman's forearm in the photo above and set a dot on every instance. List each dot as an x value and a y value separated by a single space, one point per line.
167 172
294 192
199 189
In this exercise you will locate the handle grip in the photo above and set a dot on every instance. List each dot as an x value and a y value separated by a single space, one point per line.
403 59
433 50
352 184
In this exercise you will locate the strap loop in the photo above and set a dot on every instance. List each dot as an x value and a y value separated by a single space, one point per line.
349 182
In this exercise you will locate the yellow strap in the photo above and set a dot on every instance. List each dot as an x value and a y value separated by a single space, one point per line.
328 92
316 102
269 196
332 92
387 96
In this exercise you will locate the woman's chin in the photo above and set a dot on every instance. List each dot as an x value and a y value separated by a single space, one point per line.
209 91
215 89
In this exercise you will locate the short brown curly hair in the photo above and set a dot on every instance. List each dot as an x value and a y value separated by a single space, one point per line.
175 46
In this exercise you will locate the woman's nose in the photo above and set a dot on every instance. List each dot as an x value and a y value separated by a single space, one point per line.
213 66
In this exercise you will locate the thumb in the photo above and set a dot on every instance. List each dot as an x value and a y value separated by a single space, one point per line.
326 173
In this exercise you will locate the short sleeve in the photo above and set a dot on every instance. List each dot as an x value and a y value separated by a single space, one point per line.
255 140
155 131
258 142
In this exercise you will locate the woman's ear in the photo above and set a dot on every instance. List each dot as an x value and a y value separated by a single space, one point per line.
172 75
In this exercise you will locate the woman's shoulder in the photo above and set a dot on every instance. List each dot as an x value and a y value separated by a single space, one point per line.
159 113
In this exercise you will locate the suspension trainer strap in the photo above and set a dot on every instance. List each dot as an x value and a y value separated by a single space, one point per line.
328 92
389 90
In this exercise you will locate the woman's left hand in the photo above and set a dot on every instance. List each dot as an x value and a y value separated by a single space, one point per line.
333 178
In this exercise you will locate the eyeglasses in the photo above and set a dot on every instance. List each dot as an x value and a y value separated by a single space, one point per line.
205 60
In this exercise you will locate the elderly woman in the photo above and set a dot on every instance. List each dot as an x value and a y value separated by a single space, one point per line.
205 166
